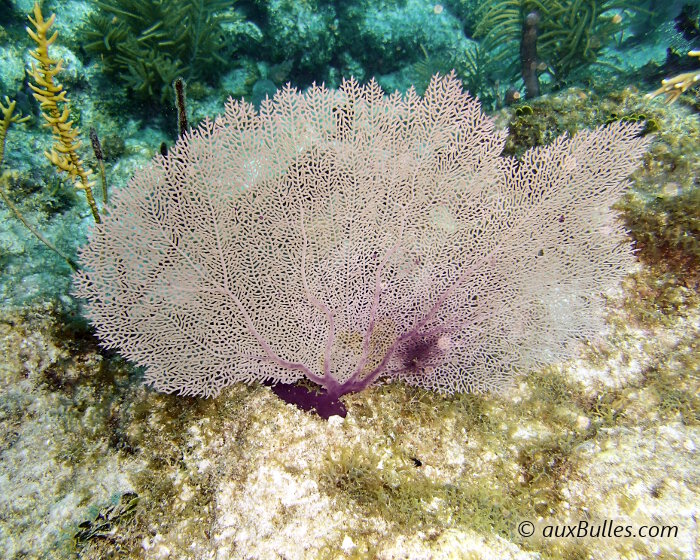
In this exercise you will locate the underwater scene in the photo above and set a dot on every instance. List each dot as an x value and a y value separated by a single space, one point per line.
316 279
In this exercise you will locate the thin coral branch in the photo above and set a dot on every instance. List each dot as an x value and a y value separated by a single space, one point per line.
672 88
8 118
56 108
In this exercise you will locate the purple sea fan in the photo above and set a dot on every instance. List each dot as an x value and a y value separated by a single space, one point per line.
345 237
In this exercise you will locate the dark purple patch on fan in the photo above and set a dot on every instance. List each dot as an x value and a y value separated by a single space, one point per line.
311 400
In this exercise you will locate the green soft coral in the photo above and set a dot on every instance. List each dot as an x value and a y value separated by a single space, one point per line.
146 44
571 33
